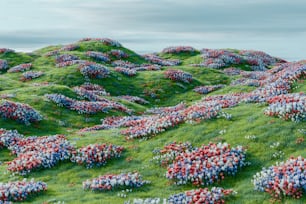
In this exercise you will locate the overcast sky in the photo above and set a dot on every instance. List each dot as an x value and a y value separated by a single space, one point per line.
275 26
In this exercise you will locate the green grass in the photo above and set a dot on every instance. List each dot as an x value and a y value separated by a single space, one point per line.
65 179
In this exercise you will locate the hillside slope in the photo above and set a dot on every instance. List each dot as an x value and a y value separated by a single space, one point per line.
75 86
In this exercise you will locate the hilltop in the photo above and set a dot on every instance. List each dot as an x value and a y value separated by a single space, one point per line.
97 91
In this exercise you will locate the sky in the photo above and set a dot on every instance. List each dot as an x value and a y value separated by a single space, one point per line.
274 26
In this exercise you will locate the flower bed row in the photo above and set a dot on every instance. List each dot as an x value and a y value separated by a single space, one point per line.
96 155
207 164
202 195
169 109
178 49
94 70
126 71
207 89
178 75
45 152
38 152
288 106
119 54
219 58
86 107
284 179
20 190
65 58
153 58
20 68
114 181
3 65
20 112
26 76
92 92
98 56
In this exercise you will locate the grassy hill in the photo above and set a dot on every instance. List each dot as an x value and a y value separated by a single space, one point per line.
65 179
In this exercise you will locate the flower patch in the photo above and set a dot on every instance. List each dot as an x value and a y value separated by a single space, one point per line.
26 76
207 89
114 181
206 164
20 112
96 155
20 68
178 75
202 195
284 179
20 190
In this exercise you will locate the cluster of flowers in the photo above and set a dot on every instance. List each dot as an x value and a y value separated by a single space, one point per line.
70 47
231 71
94 70
178 75
278 83
65 58
20 190
85 107
68 60
20 112
207 89
131 69
169 109
207 164
105 41
114 181
151 125
91 91
20 68
219 58
154 124
98 56
246 82
259 60
3 65
284 179
134 99
96 154
119 54
201 195
164 118
153 58
168 154
26 76
124 64
38 152
288 106
9 137
5 50
259 75
70 63
178 49
126 71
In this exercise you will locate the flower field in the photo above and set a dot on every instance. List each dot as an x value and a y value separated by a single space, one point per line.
95 122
